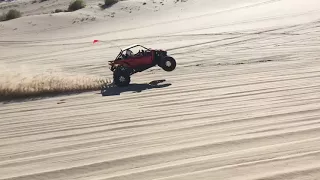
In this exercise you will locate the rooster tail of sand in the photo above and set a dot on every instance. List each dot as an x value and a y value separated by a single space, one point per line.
17 85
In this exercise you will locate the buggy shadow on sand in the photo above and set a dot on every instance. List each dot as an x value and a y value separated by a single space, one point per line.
113 90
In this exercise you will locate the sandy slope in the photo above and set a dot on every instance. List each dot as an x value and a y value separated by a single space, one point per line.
243 102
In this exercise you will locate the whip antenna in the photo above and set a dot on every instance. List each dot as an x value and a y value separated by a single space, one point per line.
96 41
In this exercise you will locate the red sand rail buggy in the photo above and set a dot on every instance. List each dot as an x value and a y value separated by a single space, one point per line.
128 63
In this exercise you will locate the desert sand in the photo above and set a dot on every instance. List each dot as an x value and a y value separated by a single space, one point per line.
242 104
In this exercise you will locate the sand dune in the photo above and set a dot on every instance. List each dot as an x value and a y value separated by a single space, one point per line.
243 103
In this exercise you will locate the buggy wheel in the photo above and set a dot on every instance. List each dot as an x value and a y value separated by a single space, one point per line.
121 77
168 64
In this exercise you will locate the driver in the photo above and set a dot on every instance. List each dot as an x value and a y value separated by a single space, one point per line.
128 53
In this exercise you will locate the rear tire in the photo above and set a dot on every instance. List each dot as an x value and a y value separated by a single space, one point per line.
168 64
121 76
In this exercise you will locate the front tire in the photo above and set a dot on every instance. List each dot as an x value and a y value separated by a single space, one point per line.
121 76
168 64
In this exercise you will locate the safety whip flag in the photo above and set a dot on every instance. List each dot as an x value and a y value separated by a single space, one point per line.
95 41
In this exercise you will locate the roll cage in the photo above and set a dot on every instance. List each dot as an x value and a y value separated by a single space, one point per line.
120 55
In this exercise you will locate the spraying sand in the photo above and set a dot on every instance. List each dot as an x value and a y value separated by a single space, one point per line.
19 83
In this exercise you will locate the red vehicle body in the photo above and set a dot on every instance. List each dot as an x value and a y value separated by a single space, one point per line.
127 63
